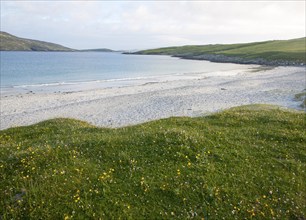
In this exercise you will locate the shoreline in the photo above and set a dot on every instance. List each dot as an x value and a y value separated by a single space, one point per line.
219 58
77 86
192 96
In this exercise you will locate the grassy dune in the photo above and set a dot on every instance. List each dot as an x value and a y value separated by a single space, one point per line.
243 163
278 50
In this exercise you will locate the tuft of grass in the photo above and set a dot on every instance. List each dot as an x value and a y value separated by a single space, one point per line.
302 98
243 163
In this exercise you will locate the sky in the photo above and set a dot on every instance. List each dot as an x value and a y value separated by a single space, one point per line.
134 25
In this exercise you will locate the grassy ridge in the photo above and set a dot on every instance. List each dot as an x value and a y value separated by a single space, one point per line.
10 42
278 50
246 162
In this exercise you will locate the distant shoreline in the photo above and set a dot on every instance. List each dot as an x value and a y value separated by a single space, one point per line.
270 53
239 60
218 58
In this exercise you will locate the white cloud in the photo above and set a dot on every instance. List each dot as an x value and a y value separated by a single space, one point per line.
147 24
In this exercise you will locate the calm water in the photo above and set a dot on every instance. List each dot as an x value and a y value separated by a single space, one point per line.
30 70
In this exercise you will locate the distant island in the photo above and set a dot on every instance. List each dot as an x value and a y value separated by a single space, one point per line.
97 50
277 52
9 42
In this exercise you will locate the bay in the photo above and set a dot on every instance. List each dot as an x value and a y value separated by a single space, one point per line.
72 71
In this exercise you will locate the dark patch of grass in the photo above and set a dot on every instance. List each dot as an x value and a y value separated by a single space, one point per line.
243 163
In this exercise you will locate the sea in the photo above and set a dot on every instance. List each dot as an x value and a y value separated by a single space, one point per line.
23 72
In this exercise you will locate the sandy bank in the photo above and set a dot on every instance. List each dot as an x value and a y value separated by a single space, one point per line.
194 96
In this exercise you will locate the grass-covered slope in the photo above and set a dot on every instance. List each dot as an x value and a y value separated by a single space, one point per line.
244 163
281 51
10 42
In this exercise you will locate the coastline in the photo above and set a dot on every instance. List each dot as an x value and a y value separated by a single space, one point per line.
219 58
193 95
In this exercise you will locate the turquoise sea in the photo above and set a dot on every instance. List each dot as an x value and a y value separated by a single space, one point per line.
73 71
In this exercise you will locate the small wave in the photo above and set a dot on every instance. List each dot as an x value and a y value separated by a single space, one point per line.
170 77
78 82
43 85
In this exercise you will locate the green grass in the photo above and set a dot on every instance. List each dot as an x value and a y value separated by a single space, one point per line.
280 50
243 163
10 42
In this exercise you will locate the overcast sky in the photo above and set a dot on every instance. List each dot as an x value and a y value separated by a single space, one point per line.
150 24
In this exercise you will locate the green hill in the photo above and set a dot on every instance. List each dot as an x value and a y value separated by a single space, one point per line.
243 163
10 42
286 52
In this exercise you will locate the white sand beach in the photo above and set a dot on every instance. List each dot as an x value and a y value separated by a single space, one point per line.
196 95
